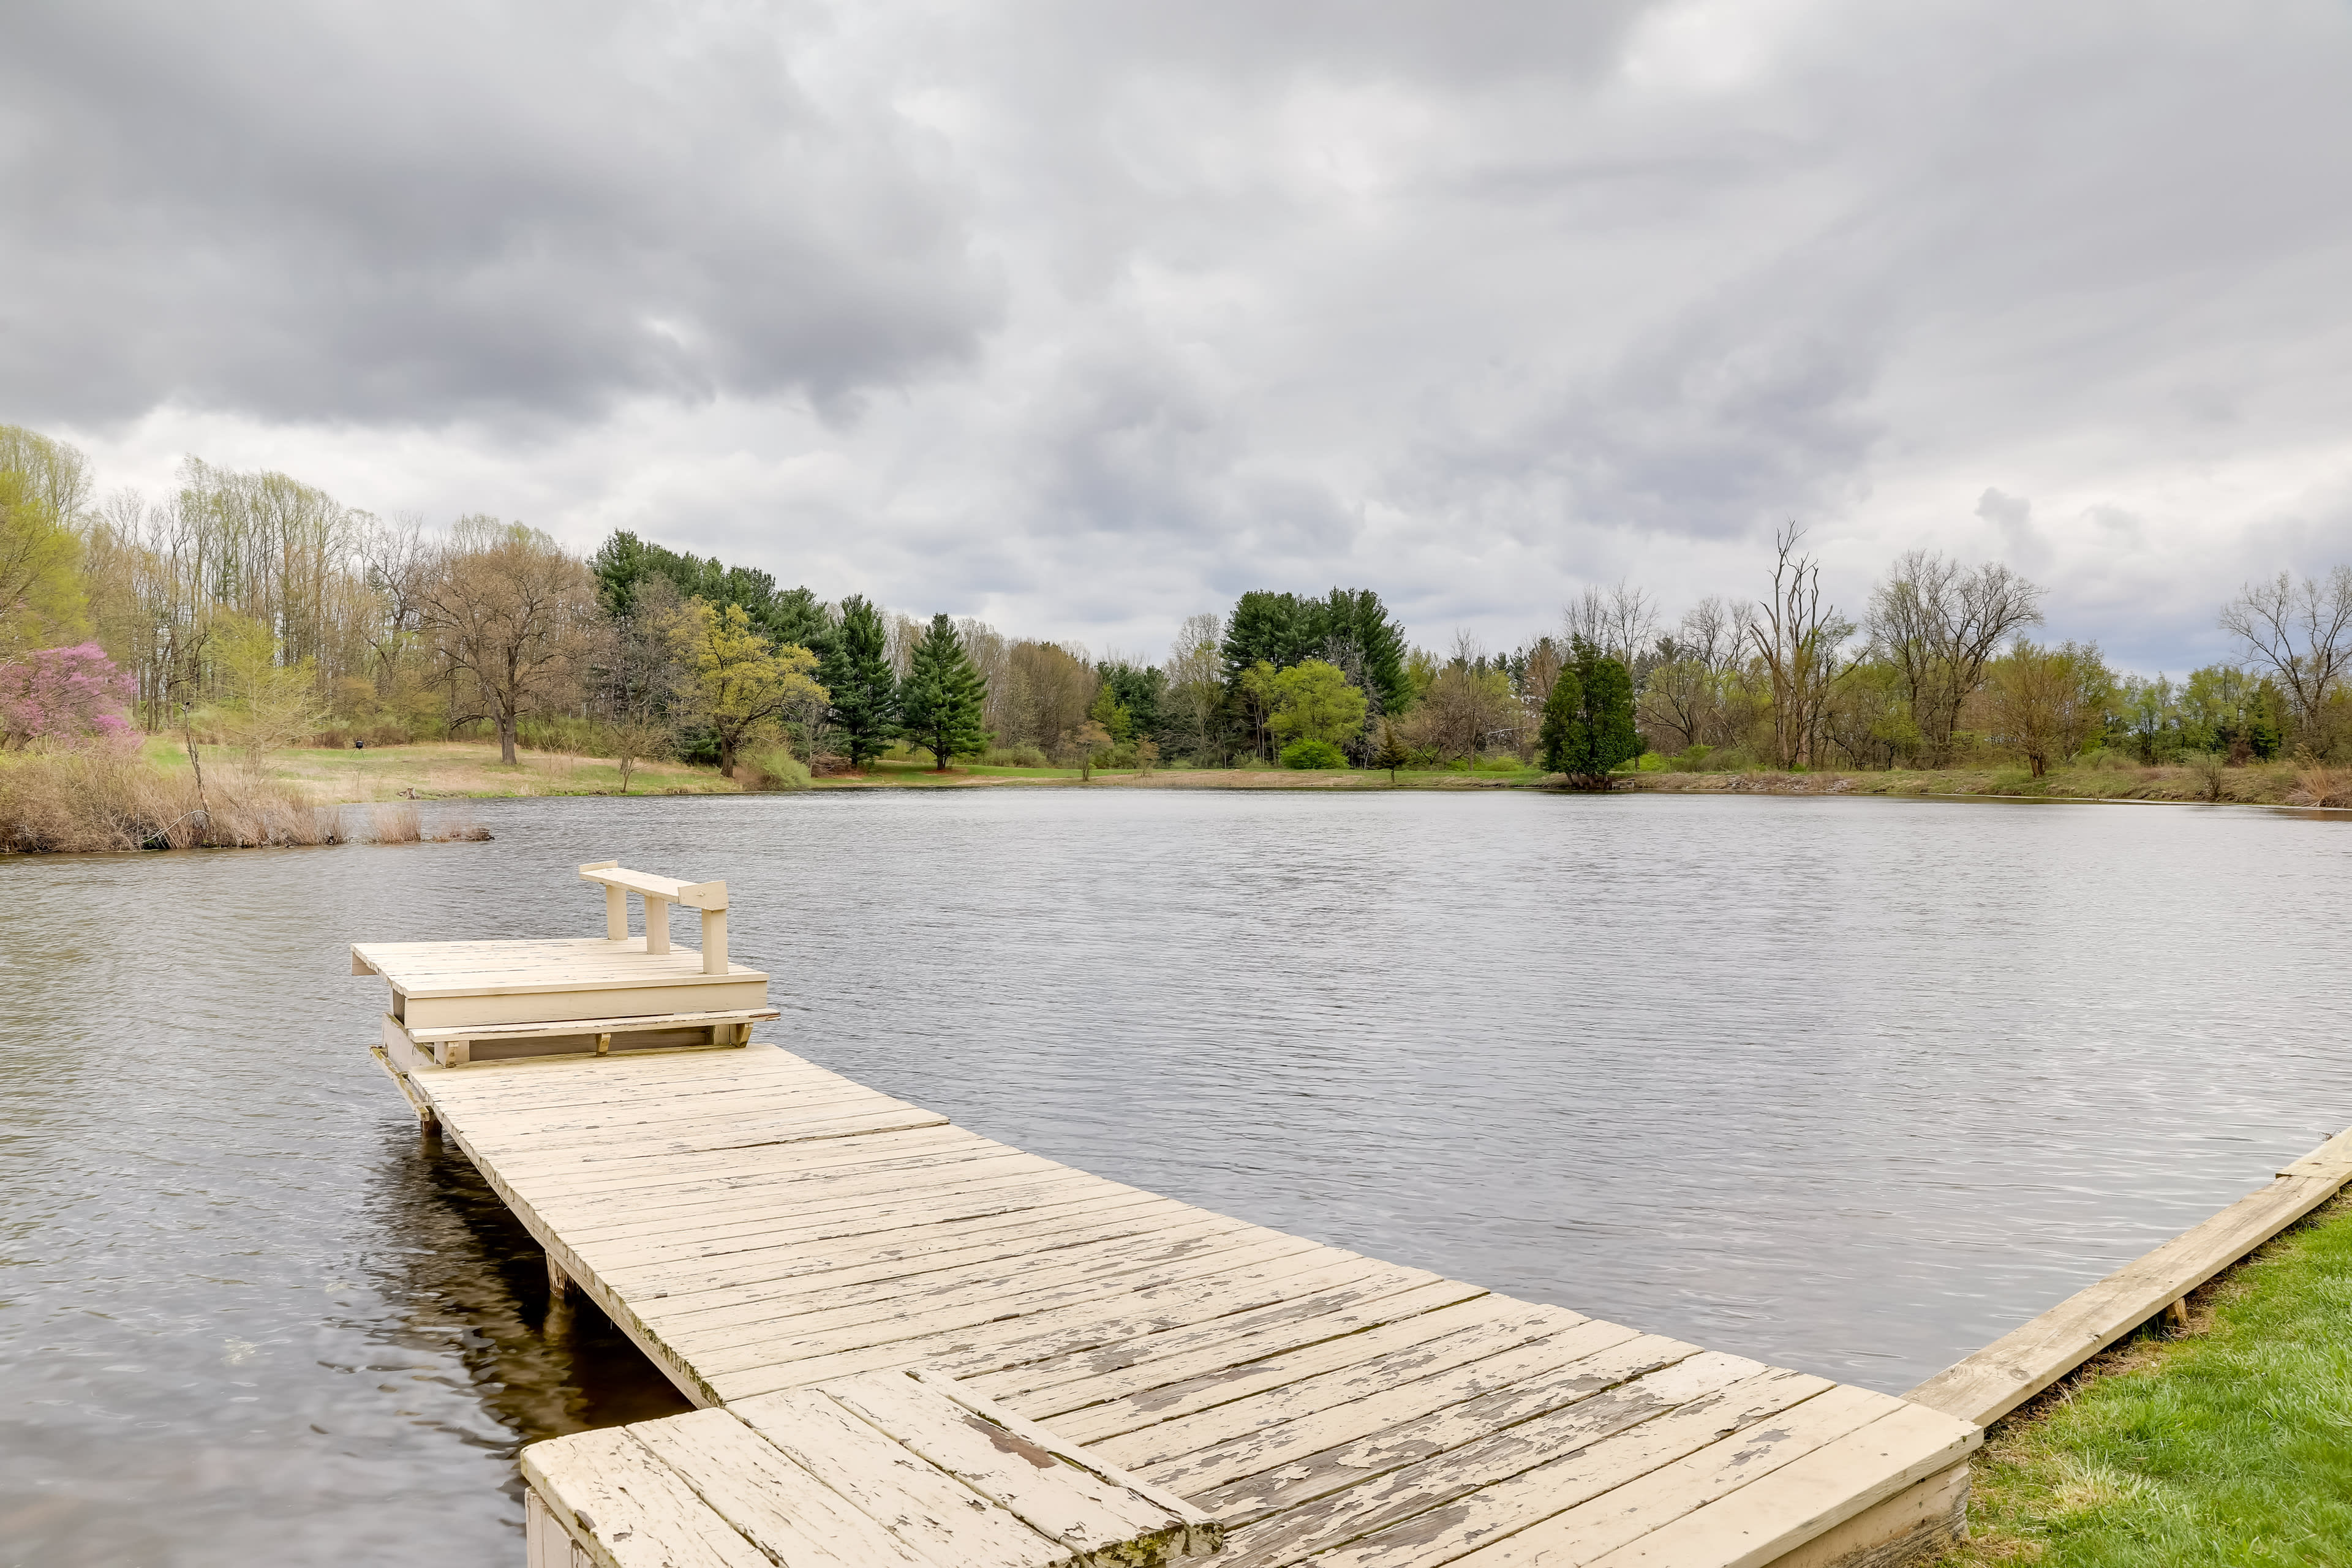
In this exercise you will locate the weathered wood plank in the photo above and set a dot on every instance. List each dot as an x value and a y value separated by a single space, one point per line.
824 1335
1033 1224
629 1508
1003 1285
1381 1293
785 1509
1593 1446
828 1266
1248 1472
1204 1534
1336 1371
1077 1506
940 1517
963 1352
1536 1530
1767 1519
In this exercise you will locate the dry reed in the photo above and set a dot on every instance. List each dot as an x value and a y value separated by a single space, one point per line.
95 800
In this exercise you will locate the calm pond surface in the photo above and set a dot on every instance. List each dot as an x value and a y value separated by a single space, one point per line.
1854 1085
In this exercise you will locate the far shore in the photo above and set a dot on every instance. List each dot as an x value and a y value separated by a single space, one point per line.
468 770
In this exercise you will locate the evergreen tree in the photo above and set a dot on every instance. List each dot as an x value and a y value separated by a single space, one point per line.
856 672
941 699
1390 754
1356 619
1142 693
1588 724
1273 628
796 619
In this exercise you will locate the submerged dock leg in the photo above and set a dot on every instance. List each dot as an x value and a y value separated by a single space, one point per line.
559 1283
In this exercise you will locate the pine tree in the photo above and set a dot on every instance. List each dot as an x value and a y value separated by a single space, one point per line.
1391 753
940 701
1588 723
856 672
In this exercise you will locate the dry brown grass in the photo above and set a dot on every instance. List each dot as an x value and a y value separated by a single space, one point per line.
2317 784
396 822
92 801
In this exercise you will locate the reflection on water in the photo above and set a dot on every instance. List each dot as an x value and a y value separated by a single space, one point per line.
1851 1085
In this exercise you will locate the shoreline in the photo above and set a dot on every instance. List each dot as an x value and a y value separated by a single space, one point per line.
2217 1422
306 781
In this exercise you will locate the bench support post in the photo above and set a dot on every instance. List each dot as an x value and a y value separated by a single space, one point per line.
714 941
656 924
617 913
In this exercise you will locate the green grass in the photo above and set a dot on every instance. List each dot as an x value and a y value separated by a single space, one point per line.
2231 1443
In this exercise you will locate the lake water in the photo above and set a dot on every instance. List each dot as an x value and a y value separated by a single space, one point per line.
1854 1085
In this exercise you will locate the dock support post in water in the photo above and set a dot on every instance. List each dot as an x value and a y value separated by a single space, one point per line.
559 1283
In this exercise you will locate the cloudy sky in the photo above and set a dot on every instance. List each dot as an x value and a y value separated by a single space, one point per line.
1083 316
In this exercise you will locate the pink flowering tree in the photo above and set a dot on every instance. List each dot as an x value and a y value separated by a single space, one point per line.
62 694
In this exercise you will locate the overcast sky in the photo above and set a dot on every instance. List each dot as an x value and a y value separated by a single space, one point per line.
1085 316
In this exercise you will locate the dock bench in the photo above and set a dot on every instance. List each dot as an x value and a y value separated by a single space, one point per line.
459 1003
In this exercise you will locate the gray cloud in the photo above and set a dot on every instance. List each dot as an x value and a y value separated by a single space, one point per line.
433 211
1085 316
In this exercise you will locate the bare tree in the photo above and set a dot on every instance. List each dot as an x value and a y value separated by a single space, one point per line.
507 608
1622 622
1939 622
1683 693
1196 691
2303 631
1801 643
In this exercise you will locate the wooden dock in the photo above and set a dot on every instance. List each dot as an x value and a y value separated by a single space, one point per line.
771 1233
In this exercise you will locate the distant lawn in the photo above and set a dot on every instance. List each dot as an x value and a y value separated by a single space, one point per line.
448 770
2229 1445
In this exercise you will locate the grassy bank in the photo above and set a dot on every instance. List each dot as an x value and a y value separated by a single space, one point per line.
2274 784
2228 1442
445 769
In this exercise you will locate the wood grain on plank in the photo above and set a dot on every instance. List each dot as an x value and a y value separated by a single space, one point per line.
631 1510
1592 1446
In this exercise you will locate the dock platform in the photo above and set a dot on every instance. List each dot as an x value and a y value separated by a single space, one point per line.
757 1225
1041 1366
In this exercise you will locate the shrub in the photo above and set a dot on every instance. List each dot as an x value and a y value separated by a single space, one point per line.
774 769
1313 754
1015 757
62 694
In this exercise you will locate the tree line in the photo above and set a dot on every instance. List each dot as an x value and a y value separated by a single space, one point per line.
252 608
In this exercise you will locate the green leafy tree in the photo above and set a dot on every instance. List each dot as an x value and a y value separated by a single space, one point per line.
2048 702
1082 745
41 598
735 682
270 705
1390 754
943 697
864 691
1588 723
1313 701
1112 714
